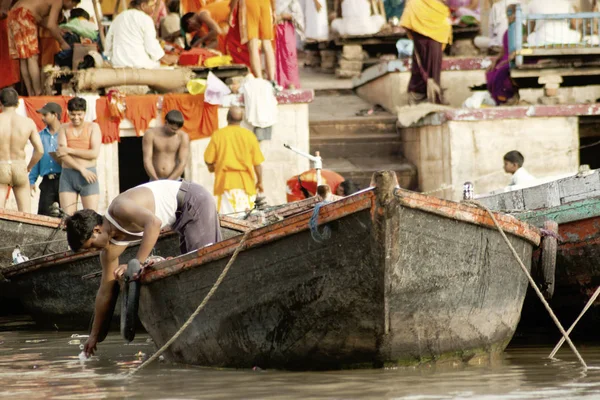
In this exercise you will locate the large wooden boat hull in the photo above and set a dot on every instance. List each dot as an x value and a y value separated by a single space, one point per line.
32 233
402 278
574 204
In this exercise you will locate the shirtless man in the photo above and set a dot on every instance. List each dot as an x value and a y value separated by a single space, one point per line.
23 20
193 22
166 149
78 147
15 131
140 213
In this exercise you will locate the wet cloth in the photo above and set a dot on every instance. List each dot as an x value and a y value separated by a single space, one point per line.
32 104
140 110
499 83
235 201
22 33
109 125
10 68
429 18
235 152
131 41
72 181
316 17
14 173
286 57
260 102
201 119
430 53
259 19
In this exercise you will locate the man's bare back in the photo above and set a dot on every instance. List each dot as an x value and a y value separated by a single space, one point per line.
165 153
39 9
15 131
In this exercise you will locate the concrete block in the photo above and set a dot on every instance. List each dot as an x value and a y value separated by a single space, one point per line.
543 196
352 52
351 65
579 187
346 74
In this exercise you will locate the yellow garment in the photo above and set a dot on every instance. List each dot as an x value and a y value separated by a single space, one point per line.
234 151
429 18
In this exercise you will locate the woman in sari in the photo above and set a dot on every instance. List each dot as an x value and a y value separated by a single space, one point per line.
290 20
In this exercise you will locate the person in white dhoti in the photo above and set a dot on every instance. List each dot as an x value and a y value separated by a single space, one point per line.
357 19
316 19
555 31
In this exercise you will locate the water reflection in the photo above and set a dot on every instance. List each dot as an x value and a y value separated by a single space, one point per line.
45 365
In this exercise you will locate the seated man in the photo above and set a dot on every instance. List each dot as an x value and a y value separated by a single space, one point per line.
554 31
498 25
141 213
131 40
356 19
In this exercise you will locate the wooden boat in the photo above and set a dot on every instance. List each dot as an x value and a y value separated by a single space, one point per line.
36 235
403 278
573 203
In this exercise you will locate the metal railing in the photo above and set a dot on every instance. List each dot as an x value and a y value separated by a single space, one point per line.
553 34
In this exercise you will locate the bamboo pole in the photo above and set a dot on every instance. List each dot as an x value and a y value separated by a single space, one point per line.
99 23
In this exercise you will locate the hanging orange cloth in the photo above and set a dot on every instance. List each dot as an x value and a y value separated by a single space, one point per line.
109 126
49 47
140 110
32 104
201 118
10 68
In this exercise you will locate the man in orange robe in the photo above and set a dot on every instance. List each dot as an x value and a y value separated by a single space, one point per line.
256 20
211 23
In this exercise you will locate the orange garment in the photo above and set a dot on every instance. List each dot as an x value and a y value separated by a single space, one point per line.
259 19
195 5
140 110
109 126
309 182
233 42
32 104
235 152
219 12
81 141
10 68
201 118
49 47
22 33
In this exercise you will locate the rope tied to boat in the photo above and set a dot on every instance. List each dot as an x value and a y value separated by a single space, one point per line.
531 281
200 307
313 224
548 232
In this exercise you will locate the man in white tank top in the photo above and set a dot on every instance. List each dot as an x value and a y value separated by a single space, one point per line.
141 213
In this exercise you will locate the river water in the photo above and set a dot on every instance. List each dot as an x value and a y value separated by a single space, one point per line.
45 365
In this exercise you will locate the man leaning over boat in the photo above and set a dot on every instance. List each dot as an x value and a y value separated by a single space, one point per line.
141 213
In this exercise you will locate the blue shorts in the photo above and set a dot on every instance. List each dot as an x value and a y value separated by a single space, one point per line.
72 181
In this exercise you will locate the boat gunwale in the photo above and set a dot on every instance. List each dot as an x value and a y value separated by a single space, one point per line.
527 215
29 218
365 199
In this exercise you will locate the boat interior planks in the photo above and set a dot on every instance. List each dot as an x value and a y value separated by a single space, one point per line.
403 278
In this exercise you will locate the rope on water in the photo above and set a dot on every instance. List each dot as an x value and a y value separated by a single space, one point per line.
317 236
531 281
200 307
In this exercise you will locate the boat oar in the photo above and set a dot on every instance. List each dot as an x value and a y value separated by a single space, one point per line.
587 307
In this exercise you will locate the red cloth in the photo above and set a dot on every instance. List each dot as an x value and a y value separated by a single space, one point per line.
140 110
10 68
238 51
109 126
195 56
32 104
201 118
309 182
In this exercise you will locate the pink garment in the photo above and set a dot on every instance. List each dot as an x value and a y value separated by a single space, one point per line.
286 57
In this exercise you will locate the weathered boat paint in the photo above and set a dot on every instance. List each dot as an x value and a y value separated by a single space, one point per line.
403 278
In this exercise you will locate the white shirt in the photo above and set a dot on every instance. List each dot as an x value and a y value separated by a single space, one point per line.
552 32
131 41
521 177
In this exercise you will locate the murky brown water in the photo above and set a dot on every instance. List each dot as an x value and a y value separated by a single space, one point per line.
46 365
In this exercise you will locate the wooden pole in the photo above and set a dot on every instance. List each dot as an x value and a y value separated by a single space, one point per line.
99 23
587 306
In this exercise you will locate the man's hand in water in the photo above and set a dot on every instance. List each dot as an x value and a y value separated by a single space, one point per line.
89 176
90 346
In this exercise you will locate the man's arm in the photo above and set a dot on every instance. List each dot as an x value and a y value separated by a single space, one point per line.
38 147
258 172
109 258
52 24
127 210
182 156
147 151
214 29
210 155
95 143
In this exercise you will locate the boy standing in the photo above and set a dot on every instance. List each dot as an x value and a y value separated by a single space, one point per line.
78 148
513 164
23 20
